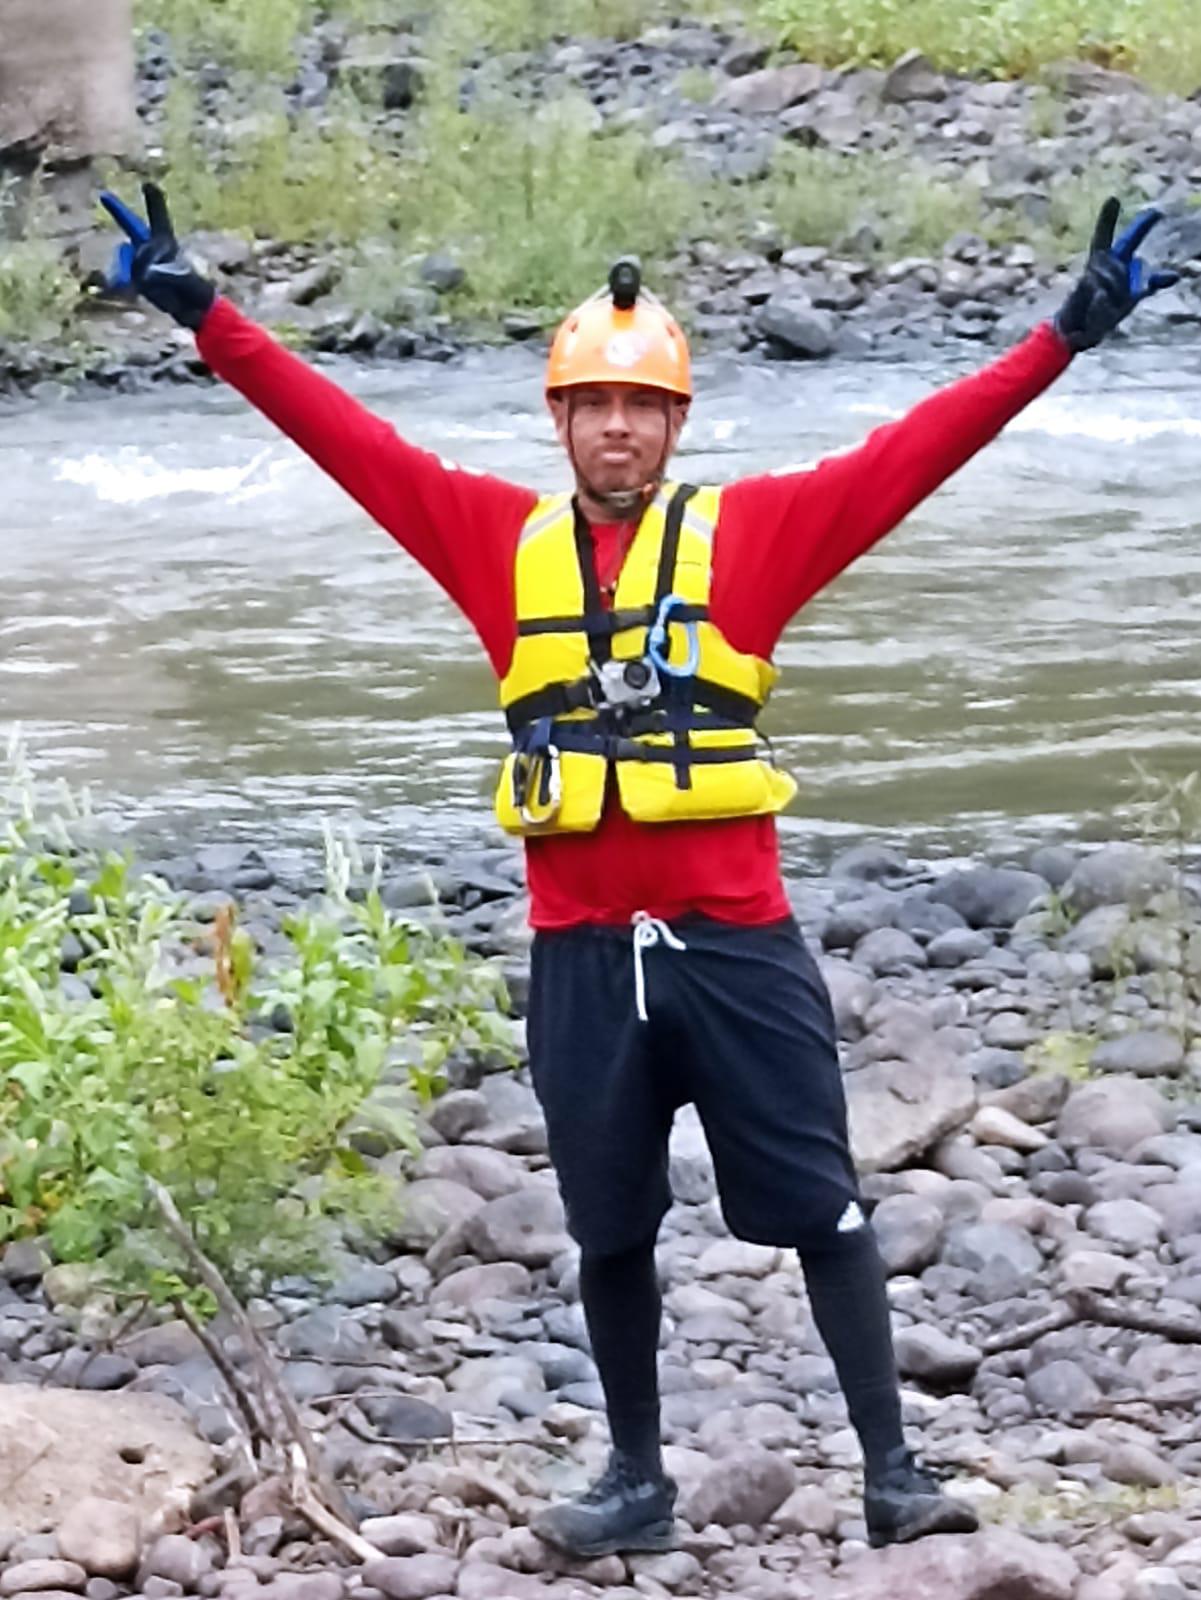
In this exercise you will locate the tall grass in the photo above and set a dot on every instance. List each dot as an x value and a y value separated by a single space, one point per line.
1159 39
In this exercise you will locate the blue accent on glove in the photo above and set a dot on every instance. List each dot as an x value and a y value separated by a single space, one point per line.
151 263
1114 280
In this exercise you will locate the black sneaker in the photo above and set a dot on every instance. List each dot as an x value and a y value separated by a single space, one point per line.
906 1501
625 1509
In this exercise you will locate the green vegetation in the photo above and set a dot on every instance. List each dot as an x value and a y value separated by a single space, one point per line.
37 294
261 35
1159 39
135 1042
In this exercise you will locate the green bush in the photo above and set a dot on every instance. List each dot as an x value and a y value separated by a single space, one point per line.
1161 39
257 35
37 294
151 1061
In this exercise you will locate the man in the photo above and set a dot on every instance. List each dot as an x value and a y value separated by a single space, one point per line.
631 626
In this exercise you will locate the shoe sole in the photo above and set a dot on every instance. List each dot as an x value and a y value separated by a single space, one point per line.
651 1540
939 1519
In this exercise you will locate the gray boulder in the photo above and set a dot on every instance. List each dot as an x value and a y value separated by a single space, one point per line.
900 1109
994 1564
744 1488
913 78
888 951
957 946
527 1227
412 1577
928 1353
1147 1053
852 920
1126 1225
986 1246
770 91
909 1230
1118 874
794 327
868 862
851 995
1061 1388
430 1206
1113 1115
990 897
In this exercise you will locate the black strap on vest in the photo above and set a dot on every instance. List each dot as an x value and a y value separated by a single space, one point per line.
727 706
613 621
596 626
670 548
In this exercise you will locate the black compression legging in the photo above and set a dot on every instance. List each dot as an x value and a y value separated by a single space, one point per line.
846 1288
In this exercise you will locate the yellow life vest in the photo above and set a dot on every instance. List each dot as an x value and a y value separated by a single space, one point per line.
649 691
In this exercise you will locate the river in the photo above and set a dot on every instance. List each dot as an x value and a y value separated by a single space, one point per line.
206 632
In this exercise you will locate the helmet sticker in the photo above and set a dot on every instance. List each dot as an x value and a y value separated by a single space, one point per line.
626 349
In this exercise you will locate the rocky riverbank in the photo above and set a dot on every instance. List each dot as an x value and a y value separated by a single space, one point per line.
1025 1099
1033 157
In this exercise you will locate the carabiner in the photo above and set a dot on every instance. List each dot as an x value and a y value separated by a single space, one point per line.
658 647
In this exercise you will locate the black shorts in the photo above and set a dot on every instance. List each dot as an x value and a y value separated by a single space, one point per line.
738 1022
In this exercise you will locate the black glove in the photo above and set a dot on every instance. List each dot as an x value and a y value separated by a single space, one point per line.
151 263
1113 282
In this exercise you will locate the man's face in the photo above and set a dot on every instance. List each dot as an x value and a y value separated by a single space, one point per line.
618 434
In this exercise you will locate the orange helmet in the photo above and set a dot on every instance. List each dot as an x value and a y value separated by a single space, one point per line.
622 334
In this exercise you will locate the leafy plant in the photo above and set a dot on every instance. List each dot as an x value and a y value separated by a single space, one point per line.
1161 39
135 1043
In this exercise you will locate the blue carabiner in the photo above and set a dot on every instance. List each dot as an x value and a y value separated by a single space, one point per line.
658 647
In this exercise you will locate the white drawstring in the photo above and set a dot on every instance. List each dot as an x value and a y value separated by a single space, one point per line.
648 931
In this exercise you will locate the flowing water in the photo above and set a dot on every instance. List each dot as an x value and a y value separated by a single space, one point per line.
199 626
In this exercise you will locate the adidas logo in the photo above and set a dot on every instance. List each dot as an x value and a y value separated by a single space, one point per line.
852 1218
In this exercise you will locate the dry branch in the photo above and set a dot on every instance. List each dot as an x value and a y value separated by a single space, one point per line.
1083 1305
316 1478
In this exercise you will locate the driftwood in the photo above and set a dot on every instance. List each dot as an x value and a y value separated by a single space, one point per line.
257 1429
314 1493
1083 1305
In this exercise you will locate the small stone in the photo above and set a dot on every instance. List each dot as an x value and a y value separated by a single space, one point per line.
306 1586
103 1536
177 1559
889 951
747 1487
1117 875
909 1230
1135 1464
442 272
412 1577
407 1533
527 1227
1148 1053
913 78
993 1125
957 946
989 897
794 327
927 1352
808 1509
1061 1389
1113 1114
28 1576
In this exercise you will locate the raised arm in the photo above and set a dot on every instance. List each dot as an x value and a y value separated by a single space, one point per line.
781 539
462 526
784 537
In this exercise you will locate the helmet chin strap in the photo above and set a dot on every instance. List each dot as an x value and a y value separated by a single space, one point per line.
622 504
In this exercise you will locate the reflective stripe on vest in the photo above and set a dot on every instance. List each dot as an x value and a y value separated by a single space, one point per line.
688 753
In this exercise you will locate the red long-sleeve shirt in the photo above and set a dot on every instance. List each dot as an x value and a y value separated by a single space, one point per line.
779 540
